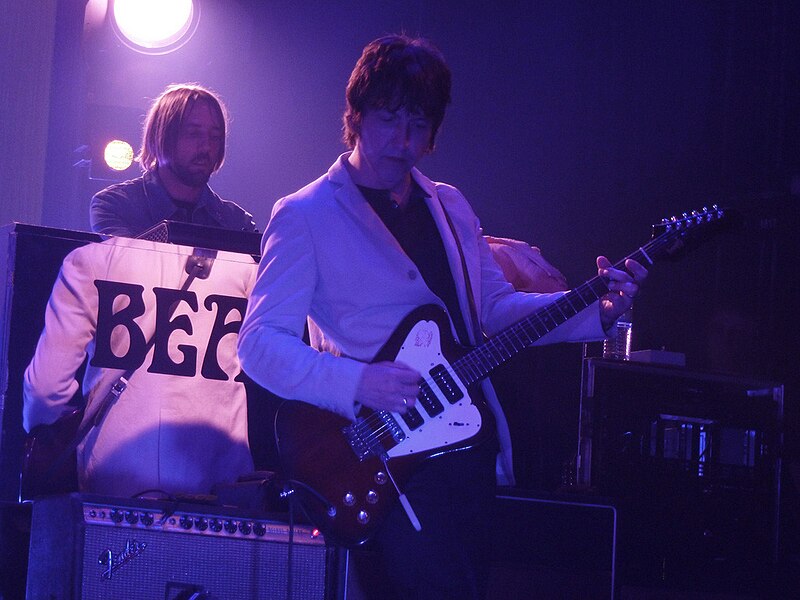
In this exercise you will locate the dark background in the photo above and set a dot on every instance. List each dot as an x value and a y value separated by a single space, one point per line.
573 126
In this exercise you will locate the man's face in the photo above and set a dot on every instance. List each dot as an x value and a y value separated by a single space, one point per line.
199 146
392 143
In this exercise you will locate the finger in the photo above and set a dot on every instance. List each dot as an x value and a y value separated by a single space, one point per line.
603 262
629 289
638 271
616 304
403 404
410 394
405 373
606 270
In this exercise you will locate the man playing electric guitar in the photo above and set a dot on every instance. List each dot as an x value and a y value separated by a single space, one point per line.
354 253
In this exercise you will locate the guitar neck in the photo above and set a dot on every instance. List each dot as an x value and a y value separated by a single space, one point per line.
676 232
478 363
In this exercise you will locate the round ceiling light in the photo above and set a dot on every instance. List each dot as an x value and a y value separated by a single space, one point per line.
155 26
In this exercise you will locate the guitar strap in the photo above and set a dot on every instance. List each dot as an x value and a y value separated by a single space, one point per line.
198 266
473 311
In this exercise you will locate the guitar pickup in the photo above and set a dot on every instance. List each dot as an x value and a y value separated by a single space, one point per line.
429 401
413 419
446 384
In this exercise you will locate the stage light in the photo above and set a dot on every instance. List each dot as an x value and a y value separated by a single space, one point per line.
118 155
112 135
155 26
111 159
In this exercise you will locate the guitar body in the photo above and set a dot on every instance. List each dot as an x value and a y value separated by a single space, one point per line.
337 468
48 465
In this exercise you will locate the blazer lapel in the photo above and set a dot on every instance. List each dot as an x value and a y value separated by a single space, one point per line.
451 248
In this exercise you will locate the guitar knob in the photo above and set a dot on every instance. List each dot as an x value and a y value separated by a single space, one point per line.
349 499
380 478
363 517
372 497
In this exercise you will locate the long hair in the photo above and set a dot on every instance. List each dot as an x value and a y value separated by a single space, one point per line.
397 71
163 123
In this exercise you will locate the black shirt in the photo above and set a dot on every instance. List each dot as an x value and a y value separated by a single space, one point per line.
416 232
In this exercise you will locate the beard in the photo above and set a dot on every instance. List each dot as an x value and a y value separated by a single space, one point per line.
191 174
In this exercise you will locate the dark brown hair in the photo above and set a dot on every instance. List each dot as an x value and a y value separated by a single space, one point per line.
393 72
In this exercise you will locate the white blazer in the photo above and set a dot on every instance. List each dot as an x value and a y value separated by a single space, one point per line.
328 257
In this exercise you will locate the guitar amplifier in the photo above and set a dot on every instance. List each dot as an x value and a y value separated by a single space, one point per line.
553 546
91 548
692 462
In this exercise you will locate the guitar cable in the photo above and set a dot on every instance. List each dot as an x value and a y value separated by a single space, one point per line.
289 490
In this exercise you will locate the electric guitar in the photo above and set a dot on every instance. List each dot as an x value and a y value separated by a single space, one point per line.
348 475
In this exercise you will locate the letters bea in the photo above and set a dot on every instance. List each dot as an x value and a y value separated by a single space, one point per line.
165 324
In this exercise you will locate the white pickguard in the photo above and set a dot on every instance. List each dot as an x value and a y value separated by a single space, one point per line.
421 350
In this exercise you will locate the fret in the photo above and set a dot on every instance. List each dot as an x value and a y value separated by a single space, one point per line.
568 297
559 305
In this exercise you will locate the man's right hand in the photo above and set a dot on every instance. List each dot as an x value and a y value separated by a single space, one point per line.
390 386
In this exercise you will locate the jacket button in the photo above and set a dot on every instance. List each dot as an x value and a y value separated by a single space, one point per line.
412 274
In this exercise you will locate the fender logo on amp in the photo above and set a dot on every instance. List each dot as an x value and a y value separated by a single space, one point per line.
112 561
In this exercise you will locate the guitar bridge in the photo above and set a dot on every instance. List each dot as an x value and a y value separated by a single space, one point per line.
368 436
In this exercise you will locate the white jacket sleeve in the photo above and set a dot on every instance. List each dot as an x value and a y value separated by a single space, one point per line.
271 348
70 322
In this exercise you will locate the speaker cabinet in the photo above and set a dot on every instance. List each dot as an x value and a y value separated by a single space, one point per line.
90 548
692 462
543 546
553 546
